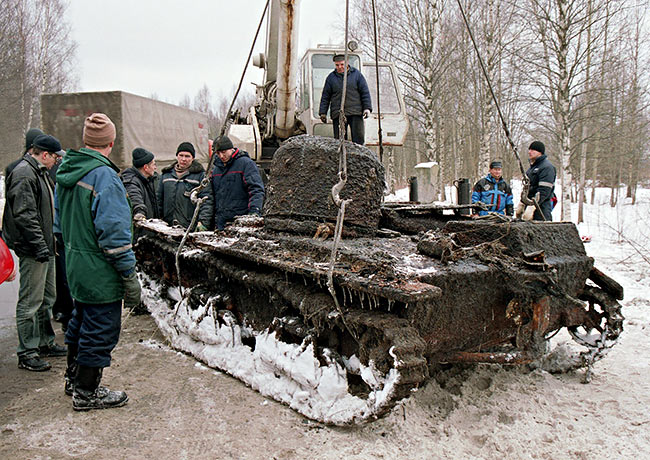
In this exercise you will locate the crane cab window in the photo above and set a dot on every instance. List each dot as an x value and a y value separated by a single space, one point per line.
322 65
304 93
388 93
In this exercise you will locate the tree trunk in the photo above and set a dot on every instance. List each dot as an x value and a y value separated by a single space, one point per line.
564 109
585 132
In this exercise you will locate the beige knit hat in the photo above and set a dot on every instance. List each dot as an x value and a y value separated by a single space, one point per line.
99 130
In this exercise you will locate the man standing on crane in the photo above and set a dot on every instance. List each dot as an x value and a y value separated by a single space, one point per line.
357 100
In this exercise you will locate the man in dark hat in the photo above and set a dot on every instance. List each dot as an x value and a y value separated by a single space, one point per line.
494 192
358 103
139 184
31 134
236 184
176 184
28 230
542 181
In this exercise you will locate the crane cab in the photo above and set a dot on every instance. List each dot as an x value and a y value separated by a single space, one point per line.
257 136
317 64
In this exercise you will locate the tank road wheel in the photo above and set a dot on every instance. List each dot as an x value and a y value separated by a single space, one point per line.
392 346
602 326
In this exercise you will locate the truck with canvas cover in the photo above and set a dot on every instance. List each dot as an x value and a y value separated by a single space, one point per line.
139 122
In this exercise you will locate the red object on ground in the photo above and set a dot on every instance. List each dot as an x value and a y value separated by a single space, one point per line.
586 238
6 262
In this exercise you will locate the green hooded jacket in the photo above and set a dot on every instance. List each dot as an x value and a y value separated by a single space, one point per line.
94 216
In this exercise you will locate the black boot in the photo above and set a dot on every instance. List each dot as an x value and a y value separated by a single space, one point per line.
89 395
71 370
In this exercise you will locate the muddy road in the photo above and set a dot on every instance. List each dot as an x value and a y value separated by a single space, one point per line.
179 409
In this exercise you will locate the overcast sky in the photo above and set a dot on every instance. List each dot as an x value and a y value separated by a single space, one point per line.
172 47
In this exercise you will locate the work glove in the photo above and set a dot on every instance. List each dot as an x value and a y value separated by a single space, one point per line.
254 212
521 208
366 113
139 216
323 118
132 290
201 228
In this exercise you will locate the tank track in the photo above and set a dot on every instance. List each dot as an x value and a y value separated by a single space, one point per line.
601 330
378 356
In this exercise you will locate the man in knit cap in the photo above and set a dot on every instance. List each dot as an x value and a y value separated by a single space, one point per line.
176 184
95 219
236 184
139 181
542 181
28 220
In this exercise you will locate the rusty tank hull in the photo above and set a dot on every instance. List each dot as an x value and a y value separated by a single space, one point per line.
256 300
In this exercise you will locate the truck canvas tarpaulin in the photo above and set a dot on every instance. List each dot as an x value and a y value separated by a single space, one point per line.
140 122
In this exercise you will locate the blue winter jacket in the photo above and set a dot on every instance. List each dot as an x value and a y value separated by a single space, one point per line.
497 195
357 97
542 179
238 188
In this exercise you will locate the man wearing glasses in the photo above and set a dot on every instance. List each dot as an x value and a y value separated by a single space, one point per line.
28 219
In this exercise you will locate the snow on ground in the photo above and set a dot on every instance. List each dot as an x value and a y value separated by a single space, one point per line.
495 412
481 413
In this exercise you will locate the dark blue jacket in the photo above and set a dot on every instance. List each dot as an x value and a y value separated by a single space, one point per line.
357 97
497 195
237 187
542 180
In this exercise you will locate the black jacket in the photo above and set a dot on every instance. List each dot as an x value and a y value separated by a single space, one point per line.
174 204
29 210
237 187
141 191
542 179
357 96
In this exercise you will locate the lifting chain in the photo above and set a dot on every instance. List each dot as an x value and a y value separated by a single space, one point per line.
338 187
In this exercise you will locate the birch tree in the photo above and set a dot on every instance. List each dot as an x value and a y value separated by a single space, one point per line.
562 34
37 55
